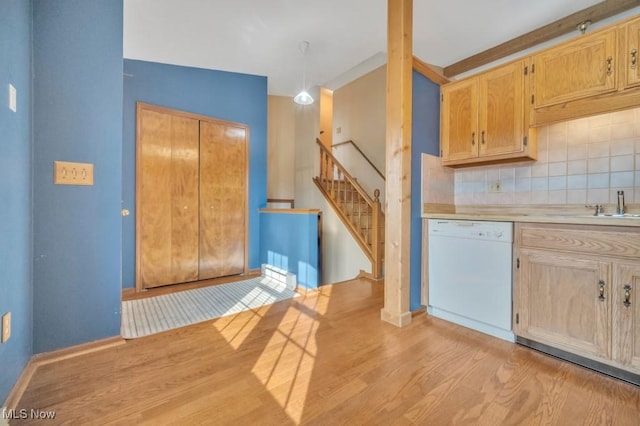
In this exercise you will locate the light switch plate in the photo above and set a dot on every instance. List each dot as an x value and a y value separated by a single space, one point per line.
13 98
68 173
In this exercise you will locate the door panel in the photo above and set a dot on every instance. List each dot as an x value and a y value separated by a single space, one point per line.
167 199
631 54
559 302
626 327
580 69
502 110
223 199
460 120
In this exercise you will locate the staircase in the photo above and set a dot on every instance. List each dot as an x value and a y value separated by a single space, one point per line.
361 214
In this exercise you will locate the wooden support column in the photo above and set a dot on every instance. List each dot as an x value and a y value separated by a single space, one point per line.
398 161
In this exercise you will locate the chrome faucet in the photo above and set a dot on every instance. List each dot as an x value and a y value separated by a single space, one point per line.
599 209
620 208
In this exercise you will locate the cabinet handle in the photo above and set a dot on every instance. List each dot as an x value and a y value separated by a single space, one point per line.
601 285
483 137
609 61
634 58
627 295
473 138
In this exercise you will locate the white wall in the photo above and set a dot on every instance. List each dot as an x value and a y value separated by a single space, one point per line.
359 111
280 147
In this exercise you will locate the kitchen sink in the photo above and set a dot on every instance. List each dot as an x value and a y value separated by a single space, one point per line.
618 215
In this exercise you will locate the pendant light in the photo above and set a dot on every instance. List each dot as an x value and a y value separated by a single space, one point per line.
303 98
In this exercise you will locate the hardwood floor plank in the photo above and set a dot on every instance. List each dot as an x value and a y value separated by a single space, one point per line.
326 358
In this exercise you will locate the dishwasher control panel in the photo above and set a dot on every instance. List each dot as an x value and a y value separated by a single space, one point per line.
482 230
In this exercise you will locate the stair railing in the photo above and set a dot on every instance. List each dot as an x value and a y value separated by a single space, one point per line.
357 148
361 214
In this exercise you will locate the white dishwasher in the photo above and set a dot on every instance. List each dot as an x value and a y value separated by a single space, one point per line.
470 264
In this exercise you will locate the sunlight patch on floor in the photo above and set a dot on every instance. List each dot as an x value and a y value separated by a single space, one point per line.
286 364
236 328
243 325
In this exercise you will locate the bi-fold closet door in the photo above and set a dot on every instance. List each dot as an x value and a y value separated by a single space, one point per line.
191 197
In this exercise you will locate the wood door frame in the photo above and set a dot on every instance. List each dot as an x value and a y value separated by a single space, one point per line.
140 106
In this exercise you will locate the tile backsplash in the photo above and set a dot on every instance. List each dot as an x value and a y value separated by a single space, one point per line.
582 161
437 181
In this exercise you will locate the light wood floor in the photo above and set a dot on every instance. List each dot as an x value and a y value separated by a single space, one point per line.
325 359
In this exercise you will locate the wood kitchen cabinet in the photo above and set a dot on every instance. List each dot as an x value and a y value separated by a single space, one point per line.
559 302
459 121
629 53
593 74
483 118
574 290
626 315
575 70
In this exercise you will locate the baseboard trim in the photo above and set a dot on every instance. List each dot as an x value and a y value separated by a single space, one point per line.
422 310
36 361
15 395
399 319
77 350
3 418
368 276
126 292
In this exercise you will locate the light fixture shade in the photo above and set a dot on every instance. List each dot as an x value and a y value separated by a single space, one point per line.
303 98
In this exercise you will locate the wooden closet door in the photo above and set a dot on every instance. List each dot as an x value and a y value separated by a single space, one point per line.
223 199
167 198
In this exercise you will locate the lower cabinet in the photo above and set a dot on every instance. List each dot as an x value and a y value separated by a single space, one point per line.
575 289
626 316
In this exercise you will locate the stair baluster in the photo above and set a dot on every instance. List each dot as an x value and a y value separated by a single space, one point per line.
361 214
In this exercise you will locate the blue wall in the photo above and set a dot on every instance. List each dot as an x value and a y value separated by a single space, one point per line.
15 189
229 96
290 242
77 87
425 132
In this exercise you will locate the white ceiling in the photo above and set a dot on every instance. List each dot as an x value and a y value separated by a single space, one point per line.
262 36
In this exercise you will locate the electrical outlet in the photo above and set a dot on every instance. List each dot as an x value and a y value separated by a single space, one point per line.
494 187
6 326
67 173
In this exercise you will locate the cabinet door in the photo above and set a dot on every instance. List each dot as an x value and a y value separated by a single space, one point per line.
630 53
626 316
502 110
559 304
223 199
583 68
459 121
167 199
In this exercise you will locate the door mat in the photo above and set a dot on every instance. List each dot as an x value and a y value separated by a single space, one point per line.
143 317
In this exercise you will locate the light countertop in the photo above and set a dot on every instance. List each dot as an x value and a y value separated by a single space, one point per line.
577 215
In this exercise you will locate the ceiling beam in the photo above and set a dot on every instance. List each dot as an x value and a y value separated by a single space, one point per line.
431 72
548 32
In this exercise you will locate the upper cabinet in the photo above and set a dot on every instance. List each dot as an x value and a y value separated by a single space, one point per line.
629 53
483 118
459 121
593 74
579 69
501 111
491 117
